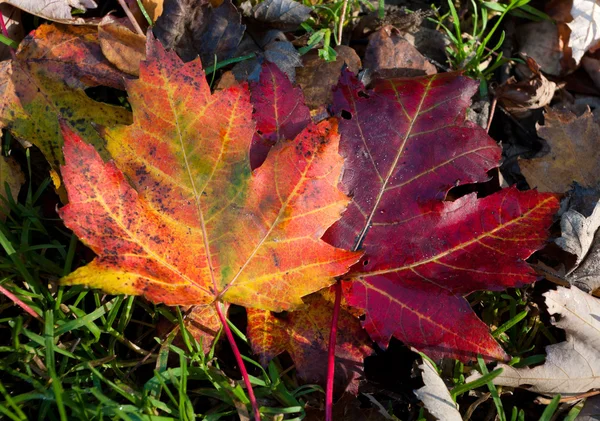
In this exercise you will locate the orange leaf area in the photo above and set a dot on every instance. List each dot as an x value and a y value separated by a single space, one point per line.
179 216
304 334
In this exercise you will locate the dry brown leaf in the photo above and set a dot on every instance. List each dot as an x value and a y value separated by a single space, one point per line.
572 153
318 76
389 55
529 94
121 46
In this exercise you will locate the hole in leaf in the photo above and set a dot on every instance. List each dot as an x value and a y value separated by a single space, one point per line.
363 94
346 115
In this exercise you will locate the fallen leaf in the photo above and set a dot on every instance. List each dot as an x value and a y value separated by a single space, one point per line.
11 174
203 323
196 225
435 395
46 83
194 27
540 41
121 46
406 144
279 112
571 367
304 334
591 410
571 153
271 46
317 77
390 55
585 27
285 14
56 10
531 93
580 237
71 54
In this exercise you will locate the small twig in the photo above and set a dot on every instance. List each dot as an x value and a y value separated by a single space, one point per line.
134 22
20 303
491 117
331 353
239 360
475 404
545 401
342 19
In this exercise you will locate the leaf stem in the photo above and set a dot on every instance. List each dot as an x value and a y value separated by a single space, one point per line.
134 22
240 361
331 353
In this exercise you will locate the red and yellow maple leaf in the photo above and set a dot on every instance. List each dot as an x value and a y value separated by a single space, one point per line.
304 334
407 143
179 216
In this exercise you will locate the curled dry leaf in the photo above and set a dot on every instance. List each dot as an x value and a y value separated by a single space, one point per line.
121 46
529 94
406 144
196 226
55 10
11 173
304 334
571 153
435 395
571 367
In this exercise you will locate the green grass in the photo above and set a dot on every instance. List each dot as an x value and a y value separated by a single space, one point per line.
90 356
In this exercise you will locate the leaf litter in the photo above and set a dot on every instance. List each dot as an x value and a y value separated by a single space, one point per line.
431 227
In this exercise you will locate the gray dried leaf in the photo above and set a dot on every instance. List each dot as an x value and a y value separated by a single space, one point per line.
435 395
572 367
288 13
55 10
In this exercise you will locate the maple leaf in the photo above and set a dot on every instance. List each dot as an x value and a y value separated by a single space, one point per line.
571 153
279 111
407 143
196 225
54 64
304 334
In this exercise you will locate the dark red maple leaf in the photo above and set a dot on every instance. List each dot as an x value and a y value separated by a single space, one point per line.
406 144
279 111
